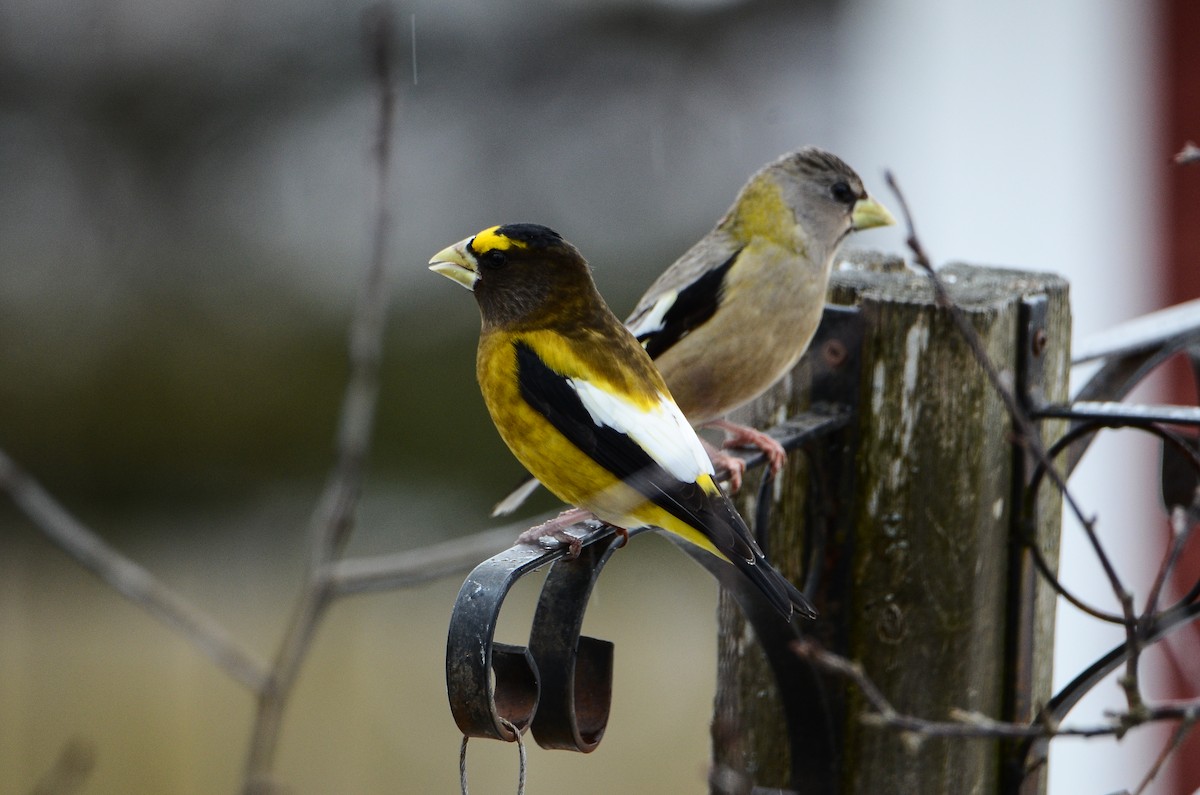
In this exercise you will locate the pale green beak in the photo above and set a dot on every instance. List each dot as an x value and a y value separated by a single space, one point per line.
456 263
869 213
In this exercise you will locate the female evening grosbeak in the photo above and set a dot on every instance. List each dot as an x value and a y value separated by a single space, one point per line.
582 407
734 314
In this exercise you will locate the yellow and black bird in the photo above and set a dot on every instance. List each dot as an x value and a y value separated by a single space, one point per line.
735 313
581 405
731 316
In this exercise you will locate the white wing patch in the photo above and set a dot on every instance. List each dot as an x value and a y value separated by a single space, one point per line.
652 321
662 431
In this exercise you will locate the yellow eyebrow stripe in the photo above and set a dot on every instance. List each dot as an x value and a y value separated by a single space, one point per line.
491 240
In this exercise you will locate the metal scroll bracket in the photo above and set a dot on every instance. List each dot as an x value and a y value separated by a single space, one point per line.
559 686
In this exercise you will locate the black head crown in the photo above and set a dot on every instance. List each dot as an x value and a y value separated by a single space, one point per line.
498 243
533 235
529 271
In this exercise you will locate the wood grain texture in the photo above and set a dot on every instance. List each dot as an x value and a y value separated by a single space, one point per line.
918 567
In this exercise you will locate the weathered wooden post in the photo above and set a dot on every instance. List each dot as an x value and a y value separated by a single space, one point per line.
921 579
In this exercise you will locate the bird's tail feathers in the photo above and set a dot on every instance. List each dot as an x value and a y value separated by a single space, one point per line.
516 497
783 596
711 522
733 539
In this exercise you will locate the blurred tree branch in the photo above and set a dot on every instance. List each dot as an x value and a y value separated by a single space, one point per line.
71 769
333 518
967 724
133 581
1189 155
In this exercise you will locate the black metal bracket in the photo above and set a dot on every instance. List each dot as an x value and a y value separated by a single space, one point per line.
1126 355
560 685
488 681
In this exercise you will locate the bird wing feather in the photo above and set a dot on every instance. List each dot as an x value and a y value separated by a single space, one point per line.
688 291
654 450
679 312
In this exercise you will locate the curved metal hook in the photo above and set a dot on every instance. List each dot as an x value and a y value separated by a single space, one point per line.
1083 428
485 680
561 684
577 671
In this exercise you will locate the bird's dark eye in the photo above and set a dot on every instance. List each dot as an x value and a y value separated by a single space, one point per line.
841 192
493 259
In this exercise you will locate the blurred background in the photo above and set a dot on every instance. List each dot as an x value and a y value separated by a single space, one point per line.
186 198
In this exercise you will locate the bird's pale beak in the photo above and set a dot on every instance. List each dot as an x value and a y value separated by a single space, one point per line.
869 213
456 263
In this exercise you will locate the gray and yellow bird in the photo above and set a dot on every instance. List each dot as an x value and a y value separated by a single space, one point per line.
735 313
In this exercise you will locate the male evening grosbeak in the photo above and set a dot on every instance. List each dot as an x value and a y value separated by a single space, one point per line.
735 313
582 407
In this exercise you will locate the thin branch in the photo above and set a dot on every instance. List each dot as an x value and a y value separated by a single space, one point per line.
1189 155
417 566
333 516
128 578
1183 520
973 724
1177 738
71 769
1029 437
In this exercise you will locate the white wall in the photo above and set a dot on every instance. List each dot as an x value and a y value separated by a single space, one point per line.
1023 134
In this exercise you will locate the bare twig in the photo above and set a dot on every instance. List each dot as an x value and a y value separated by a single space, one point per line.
1189 155
1183 520
335 512
1028 436
1177 738
128 578
406 569
972 724
71 770
332 519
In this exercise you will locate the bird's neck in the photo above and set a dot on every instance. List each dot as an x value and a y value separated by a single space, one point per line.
761 212
563 311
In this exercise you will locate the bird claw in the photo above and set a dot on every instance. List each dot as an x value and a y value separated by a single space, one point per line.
622 534
552 533
745 436
731 465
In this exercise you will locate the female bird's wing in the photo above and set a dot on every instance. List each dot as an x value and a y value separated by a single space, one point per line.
685 296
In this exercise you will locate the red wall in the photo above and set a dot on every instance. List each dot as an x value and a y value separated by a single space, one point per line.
1179 71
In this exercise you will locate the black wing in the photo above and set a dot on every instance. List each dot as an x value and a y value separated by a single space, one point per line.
693 306
549 393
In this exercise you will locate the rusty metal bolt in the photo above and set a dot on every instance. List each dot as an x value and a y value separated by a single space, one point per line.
890 625
834 353
1038 345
